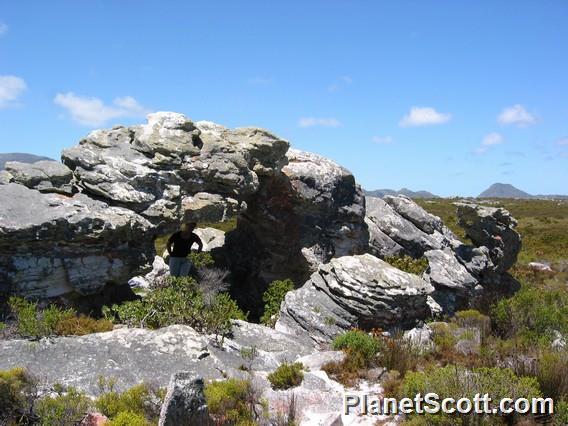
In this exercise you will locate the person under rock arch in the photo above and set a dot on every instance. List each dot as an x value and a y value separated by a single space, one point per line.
179 246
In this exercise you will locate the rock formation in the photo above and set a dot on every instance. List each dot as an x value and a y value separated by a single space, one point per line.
354 291
78 226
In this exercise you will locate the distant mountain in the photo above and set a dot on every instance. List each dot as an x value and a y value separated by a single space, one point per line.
21 157
404 191
504 190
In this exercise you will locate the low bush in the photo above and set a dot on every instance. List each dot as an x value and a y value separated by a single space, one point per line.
128 418
140 400
408 264
286 376
473 319
273 298
534 313
67 408
359 344
459 382
81 325
34 322
233 401
18 391
399 354
181 302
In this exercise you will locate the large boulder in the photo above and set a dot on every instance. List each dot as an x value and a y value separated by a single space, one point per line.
492 228
54 244
354 291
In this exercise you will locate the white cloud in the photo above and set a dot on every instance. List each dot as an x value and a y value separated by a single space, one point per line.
562 142
323 122
3 28
383 140
516 115
94 112
492 139
11 87
489 140
423 116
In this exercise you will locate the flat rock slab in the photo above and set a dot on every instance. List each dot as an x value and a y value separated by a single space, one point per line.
134 355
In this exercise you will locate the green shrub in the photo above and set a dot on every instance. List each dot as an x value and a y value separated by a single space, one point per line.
17 394
181 302
533 313
443 336
459 382
272 298
357 342
286 376
33 322
128 418
232 401
201 259
67 408
141 400
408 264
399 354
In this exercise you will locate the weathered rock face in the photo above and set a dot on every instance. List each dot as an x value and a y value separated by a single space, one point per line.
460 273
54 244
354 291
134 355
302 209
45 176
310 213
172 165
492 228
185 402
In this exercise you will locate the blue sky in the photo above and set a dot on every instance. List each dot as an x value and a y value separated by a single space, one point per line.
447 96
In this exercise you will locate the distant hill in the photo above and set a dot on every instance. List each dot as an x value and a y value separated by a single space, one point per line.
404 191
21 157
503 190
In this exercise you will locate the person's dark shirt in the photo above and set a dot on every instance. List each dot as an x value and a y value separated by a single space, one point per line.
181 246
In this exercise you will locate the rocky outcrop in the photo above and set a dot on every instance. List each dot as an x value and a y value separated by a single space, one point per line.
460 273
354 291
400 226
53 244
295 210
492 228
312 212
185 402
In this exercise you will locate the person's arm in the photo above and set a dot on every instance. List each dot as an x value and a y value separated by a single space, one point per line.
169 244
199 243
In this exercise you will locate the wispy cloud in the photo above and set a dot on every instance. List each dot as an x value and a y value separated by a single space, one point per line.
94 112
323 122
3 28
340 83
11 87
382 140
489 140
516 115
562 142
423 116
